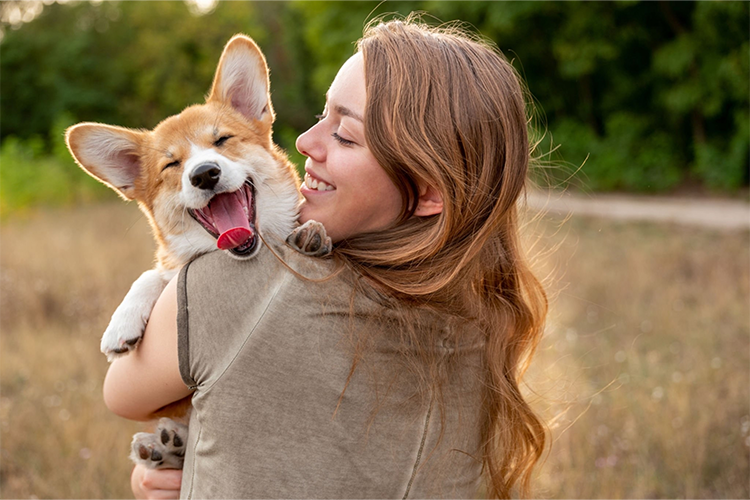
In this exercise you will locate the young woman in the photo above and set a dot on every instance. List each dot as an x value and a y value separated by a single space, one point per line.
399 374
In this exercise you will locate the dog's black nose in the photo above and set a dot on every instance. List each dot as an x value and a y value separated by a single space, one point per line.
205 176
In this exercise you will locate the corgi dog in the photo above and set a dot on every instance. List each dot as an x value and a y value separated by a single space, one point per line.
209 178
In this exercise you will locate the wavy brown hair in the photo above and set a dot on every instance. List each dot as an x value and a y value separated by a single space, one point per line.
446 109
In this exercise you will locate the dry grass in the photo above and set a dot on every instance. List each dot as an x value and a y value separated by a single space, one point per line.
63 273
644 370
645 366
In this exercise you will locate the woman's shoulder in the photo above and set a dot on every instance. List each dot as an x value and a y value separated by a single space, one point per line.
268 262
278 272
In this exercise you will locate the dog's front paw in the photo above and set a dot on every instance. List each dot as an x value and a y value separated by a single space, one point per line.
129 320
310 239
123 334
164 449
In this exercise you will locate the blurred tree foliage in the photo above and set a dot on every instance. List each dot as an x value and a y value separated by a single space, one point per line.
654 94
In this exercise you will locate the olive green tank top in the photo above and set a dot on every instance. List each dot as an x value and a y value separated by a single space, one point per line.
269 355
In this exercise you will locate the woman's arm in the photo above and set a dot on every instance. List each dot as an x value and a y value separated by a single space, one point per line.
149 377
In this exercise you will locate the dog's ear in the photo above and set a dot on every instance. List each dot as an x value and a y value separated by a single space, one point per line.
241 80
108 153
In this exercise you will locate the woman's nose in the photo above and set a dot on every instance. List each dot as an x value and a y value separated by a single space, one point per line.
308 145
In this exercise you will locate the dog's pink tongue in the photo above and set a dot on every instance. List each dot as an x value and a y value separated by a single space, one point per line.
231 221
234 237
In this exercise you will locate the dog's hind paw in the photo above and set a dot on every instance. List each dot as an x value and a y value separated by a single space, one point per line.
310 239
164 449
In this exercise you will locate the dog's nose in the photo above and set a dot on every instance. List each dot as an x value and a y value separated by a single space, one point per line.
205 176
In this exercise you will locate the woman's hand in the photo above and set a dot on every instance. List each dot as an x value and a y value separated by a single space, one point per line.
155 483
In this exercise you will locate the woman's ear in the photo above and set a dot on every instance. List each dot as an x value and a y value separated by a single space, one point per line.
430 201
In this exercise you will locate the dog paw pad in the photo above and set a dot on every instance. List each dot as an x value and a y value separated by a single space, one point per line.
310 239
164 449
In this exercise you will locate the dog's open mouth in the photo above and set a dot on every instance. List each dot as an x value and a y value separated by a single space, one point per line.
230 218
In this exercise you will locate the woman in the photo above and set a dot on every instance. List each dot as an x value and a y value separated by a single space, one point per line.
398 375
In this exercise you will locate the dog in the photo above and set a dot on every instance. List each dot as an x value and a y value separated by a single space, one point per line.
207 179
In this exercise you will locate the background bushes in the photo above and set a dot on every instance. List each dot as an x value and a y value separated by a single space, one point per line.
647 96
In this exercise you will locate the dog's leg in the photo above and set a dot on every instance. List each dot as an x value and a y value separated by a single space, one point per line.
310 239
164 449
129 320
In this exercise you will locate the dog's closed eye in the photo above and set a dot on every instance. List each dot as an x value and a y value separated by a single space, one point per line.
175 163
221 140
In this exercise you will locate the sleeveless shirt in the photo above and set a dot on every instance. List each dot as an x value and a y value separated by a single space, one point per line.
269 355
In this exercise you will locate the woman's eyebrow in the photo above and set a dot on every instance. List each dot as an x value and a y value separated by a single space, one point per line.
344 111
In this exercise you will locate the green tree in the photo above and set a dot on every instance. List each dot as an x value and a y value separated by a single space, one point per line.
654 94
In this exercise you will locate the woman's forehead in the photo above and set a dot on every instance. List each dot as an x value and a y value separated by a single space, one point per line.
348 88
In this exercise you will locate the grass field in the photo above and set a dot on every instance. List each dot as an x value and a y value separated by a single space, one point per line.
644 372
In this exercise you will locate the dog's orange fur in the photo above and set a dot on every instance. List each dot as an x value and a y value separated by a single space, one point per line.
172 139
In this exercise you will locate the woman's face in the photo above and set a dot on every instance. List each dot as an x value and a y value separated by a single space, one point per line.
344 188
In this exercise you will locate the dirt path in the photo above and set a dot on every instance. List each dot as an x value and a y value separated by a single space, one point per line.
723 214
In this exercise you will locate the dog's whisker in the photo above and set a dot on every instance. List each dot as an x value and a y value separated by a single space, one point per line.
270 187
218 117
158 150
135 222
184 230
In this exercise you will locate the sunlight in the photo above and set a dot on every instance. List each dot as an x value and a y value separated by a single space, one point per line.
17 13
201 7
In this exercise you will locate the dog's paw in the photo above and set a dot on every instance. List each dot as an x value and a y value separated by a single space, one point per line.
122 336
129 320
164 449
310 239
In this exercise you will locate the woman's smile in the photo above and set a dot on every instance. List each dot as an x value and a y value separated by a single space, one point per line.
314 183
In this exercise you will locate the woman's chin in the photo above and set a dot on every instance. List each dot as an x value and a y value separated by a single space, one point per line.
308 213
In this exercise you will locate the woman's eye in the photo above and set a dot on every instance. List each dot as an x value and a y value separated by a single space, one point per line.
320 117
175 163
341 140
221 140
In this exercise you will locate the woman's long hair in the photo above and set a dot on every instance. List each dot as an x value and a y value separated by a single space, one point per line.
448 110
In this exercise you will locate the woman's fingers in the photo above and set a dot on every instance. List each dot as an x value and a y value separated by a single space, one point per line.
156 483
163 479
